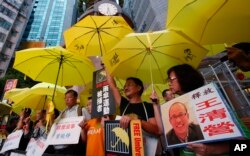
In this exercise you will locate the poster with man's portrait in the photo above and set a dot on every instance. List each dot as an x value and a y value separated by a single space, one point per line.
201 115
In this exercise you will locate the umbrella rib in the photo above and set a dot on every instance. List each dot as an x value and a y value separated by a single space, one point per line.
210 18
158 67
181 11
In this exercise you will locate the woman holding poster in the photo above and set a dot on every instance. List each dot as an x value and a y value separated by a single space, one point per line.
182 79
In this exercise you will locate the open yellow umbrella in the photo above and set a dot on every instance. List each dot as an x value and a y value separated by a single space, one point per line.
211 21
95 35
39 96
158 88
13 92
54 65
149 55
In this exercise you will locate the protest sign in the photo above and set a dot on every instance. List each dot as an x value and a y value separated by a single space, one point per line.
36 147
12 141
102 96
201 115
65 131
119 141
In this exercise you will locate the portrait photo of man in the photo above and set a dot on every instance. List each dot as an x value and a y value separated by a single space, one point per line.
183 130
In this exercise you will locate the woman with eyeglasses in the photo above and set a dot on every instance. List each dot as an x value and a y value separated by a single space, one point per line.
183 79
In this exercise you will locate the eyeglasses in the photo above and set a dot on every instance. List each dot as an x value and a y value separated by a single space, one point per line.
181 115
171 79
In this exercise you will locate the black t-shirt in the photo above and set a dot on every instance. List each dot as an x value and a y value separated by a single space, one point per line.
137 108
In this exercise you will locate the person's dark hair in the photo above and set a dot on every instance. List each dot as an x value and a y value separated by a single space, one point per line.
27 112
90 97
188 77
56 113
244 46
137 82
163 93
73 92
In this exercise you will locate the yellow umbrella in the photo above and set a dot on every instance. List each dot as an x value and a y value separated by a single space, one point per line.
122 135
149 55
211 21
158 88
214 49
95 35
39 96
13 92
54 65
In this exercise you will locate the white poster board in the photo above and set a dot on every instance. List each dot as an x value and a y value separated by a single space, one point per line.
12 141
66 131
206 116
36 147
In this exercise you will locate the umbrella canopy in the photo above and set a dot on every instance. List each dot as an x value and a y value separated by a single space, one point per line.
54 65
95 35
149 55
39 96
13 92
211 21
158 88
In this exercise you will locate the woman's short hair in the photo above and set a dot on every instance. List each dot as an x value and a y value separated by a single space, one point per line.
188 77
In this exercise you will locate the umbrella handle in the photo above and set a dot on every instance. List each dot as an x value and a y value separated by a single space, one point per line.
113 146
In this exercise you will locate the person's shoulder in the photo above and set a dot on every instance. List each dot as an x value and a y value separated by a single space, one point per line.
194 127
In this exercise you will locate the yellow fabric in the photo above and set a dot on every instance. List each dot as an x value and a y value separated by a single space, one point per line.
14 92
158 88
210 21
214 49
149 55
42 64
39 96
95 35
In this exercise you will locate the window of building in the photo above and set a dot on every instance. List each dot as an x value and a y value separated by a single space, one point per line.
7 12
14 33
4 24
8 44
2 36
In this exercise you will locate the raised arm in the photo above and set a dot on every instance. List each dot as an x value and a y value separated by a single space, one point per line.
113 88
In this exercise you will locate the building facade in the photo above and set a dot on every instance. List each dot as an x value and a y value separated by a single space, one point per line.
48 20
147 15
32 23
14 15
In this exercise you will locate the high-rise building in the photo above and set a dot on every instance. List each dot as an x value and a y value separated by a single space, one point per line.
147 15
13 19
48 20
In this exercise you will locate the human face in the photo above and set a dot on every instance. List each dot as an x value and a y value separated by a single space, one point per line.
70 100
178 118
89 105
131 89
173 83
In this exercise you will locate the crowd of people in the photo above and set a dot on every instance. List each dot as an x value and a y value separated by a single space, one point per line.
181 80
